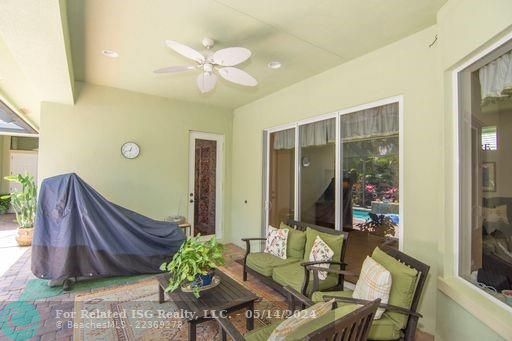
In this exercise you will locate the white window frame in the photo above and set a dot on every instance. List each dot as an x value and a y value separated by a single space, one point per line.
457 164
338 190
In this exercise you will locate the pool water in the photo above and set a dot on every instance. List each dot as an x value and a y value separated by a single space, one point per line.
363 215
360 214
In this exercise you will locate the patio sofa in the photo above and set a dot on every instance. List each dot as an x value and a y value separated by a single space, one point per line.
278 273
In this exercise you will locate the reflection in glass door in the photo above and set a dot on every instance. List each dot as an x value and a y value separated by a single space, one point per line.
370 150
281 176
317 142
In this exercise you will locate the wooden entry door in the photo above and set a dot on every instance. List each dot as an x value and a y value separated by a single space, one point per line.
205 189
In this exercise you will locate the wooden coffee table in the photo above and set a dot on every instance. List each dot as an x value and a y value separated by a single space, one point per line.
225 298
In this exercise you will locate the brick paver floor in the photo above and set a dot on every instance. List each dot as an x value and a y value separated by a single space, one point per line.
13 282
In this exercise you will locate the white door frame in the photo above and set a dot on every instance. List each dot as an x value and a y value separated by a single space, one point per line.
219 178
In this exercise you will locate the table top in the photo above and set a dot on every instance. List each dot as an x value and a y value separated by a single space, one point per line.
225 296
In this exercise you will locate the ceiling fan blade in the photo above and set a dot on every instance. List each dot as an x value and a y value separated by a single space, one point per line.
237 76
206 81
231 56
185 51
174 69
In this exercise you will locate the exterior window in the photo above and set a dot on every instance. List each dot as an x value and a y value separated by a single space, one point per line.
489 138
485 180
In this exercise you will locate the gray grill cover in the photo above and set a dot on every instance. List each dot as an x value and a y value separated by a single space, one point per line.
80 233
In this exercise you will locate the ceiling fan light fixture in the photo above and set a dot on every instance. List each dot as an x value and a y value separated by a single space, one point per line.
110 53
274 65
212 63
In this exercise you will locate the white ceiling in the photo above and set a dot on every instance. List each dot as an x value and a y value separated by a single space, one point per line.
308 37
46 45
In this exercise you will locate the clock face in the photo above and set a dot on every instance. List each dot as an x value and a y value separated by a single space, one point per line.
130 150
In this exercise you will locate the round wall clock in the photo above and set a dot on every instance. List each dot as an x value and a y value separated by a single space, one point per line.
130 150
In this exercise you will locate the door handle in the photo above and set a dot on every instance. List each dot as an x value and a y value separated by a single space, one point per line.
191 201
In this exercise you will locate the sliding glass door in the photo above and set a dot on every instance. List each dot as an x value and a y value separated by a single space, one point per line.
370 162
340 171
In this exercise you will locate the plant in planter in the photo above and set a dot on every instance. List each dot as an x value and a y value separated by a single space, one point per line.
24 204
194 263
378 224
5 203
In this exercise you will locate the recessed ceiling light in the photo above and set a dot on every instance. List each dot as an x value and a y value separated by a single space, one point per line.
274 64
110 53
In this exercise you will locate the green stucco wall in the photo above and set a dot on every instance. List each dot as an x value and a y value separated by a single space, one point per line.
86 138
418 72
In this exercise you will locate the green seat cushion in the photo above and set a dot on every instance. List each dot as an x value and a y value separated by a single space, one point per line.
261 334
335 242
318 296
303 331
382 329
264 263
296 242
403 285
293 275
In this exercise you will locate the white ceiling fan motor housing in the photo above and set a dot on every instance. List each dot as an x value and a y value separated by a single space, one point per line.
207 67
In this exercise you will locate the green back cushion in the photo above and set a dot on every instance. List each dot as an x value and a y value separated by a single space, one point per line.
335 242
303 331
403 284
296 242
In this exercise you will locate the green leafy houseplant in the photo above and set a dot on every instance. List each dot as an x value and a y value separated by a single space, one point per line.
24 201
194 259
5 203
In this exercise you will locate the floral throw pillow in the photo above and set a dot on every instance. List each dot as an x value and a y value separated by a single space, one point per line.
321 252
276 242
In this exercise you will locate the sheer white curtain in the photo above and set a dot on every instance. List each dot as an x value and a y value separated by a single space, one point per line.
318 133
496 78
284 139
373 122
312 134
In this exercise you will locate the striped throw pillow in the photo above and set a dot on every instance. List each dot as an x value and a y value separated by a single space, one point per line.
374 282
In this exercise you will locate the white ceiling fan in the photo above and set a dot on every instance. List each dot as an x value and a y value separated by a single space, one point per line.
221 62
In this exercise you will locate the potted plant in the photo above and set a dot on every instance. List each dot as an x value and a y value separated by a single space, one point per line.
5 203
24 204
378 224
193 264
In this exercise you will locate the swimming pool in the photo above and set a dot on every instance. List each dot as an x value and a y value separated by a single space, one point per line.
363 215
360 213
